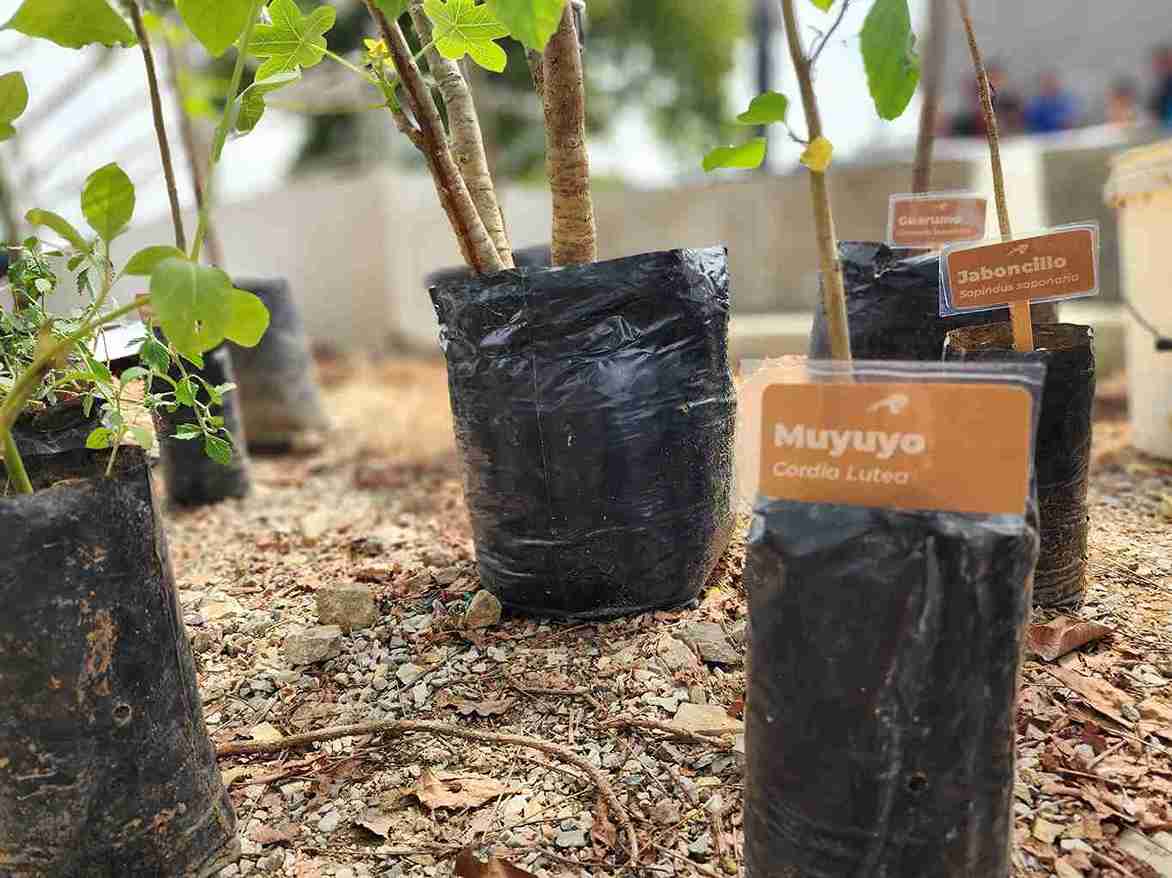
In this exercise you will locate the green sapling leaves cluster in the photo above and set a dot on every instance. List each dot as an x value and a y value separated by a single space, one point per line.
47 359
888 48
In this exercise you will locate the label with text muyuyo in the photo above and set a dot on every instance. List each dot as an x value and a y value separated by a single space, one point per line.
933 220
1063 264
945 447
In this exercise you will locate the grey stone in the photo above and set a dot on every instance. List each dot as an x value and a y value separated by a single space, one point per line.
571 838
484 611
409 673
348 606
677 655
329 822
313 645
710 641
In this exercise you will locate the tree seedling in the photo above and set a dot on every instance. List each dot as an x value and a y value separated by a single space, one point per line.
893 72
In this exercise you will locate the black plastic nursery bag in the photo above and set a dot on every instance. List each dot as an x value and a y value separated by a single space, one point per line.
1063 454
192 478
277 379
594 410
106 768
889 592
892 303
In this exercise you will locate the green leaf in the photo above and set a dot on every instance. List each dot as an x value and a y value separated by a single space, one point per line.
216 23
144 262
72 23
747 155
218 450
530 22
248 319
765 109
293 40
890 57
99 439
107 201
143 437
188 431
60 225
193 304
155 355
185 391
460 28
134 373
824 5
13 102
252 99
392 8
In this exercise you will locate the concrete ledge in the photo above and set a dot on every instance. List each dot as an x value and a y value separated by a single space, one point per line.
758 336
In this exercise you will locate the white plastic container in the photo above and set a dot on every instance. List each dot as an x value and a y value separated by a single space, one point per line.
1141 188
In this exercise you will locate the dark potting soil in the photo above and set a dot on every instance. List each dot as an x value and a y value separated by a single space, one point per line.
594 410
885 650
1063 450
893 305
192 478
108 769
279 393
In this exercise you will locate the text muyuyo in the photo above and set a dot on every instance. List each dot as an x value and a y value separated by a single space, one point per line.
838 442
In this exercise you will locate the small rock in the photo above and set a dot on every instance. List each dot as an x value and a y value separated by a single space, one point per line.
217 605
313 645
409 673
711 718
446 576
697 695
677 655
700 847
484 611
571 838
348 606
329 822
710 641
201 641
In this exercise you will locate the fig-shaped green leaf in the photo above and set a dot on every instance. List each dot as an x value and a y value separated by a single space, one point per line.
464 27
765 109
197 308
293 40
252 99
72 23
216 23
13 102
107 201
746 156
530 22
890 57
145 261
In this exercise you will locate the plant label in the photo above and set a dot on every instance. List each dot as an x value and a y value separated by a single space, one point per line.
931 221
1062 264
926 446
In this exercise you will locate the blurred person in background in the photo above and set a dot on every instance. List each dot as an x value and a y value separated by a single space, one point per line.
1052 109
1161 105
1123 107
970 122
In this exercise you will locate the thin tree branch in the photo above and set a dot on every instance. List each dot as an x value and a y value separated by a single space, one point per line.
396 727
1019 312
467 141
148 58
929 110
821 44
191 147
479 251
833 286
575 237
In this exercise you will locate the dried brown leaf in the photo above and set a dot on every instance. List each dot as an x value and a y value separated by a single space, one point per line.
444 790
1156 718
1054 639
376 821
264 834
1100 695
468 866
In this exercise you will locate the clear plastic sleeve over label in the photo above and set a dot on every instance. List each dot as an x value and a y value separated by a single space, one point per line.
1058 265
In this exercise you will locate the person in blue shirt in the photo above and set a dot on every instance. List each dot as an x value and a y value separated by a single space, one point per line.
1052 108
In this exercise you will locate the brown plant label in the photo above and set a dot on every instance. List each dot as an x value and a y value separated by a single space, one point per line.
934 220
944 447
1063 264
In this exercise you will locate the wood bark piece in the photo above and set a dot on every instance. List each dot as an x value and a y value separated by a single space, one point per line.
567 161
392 727
431 140
467 141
